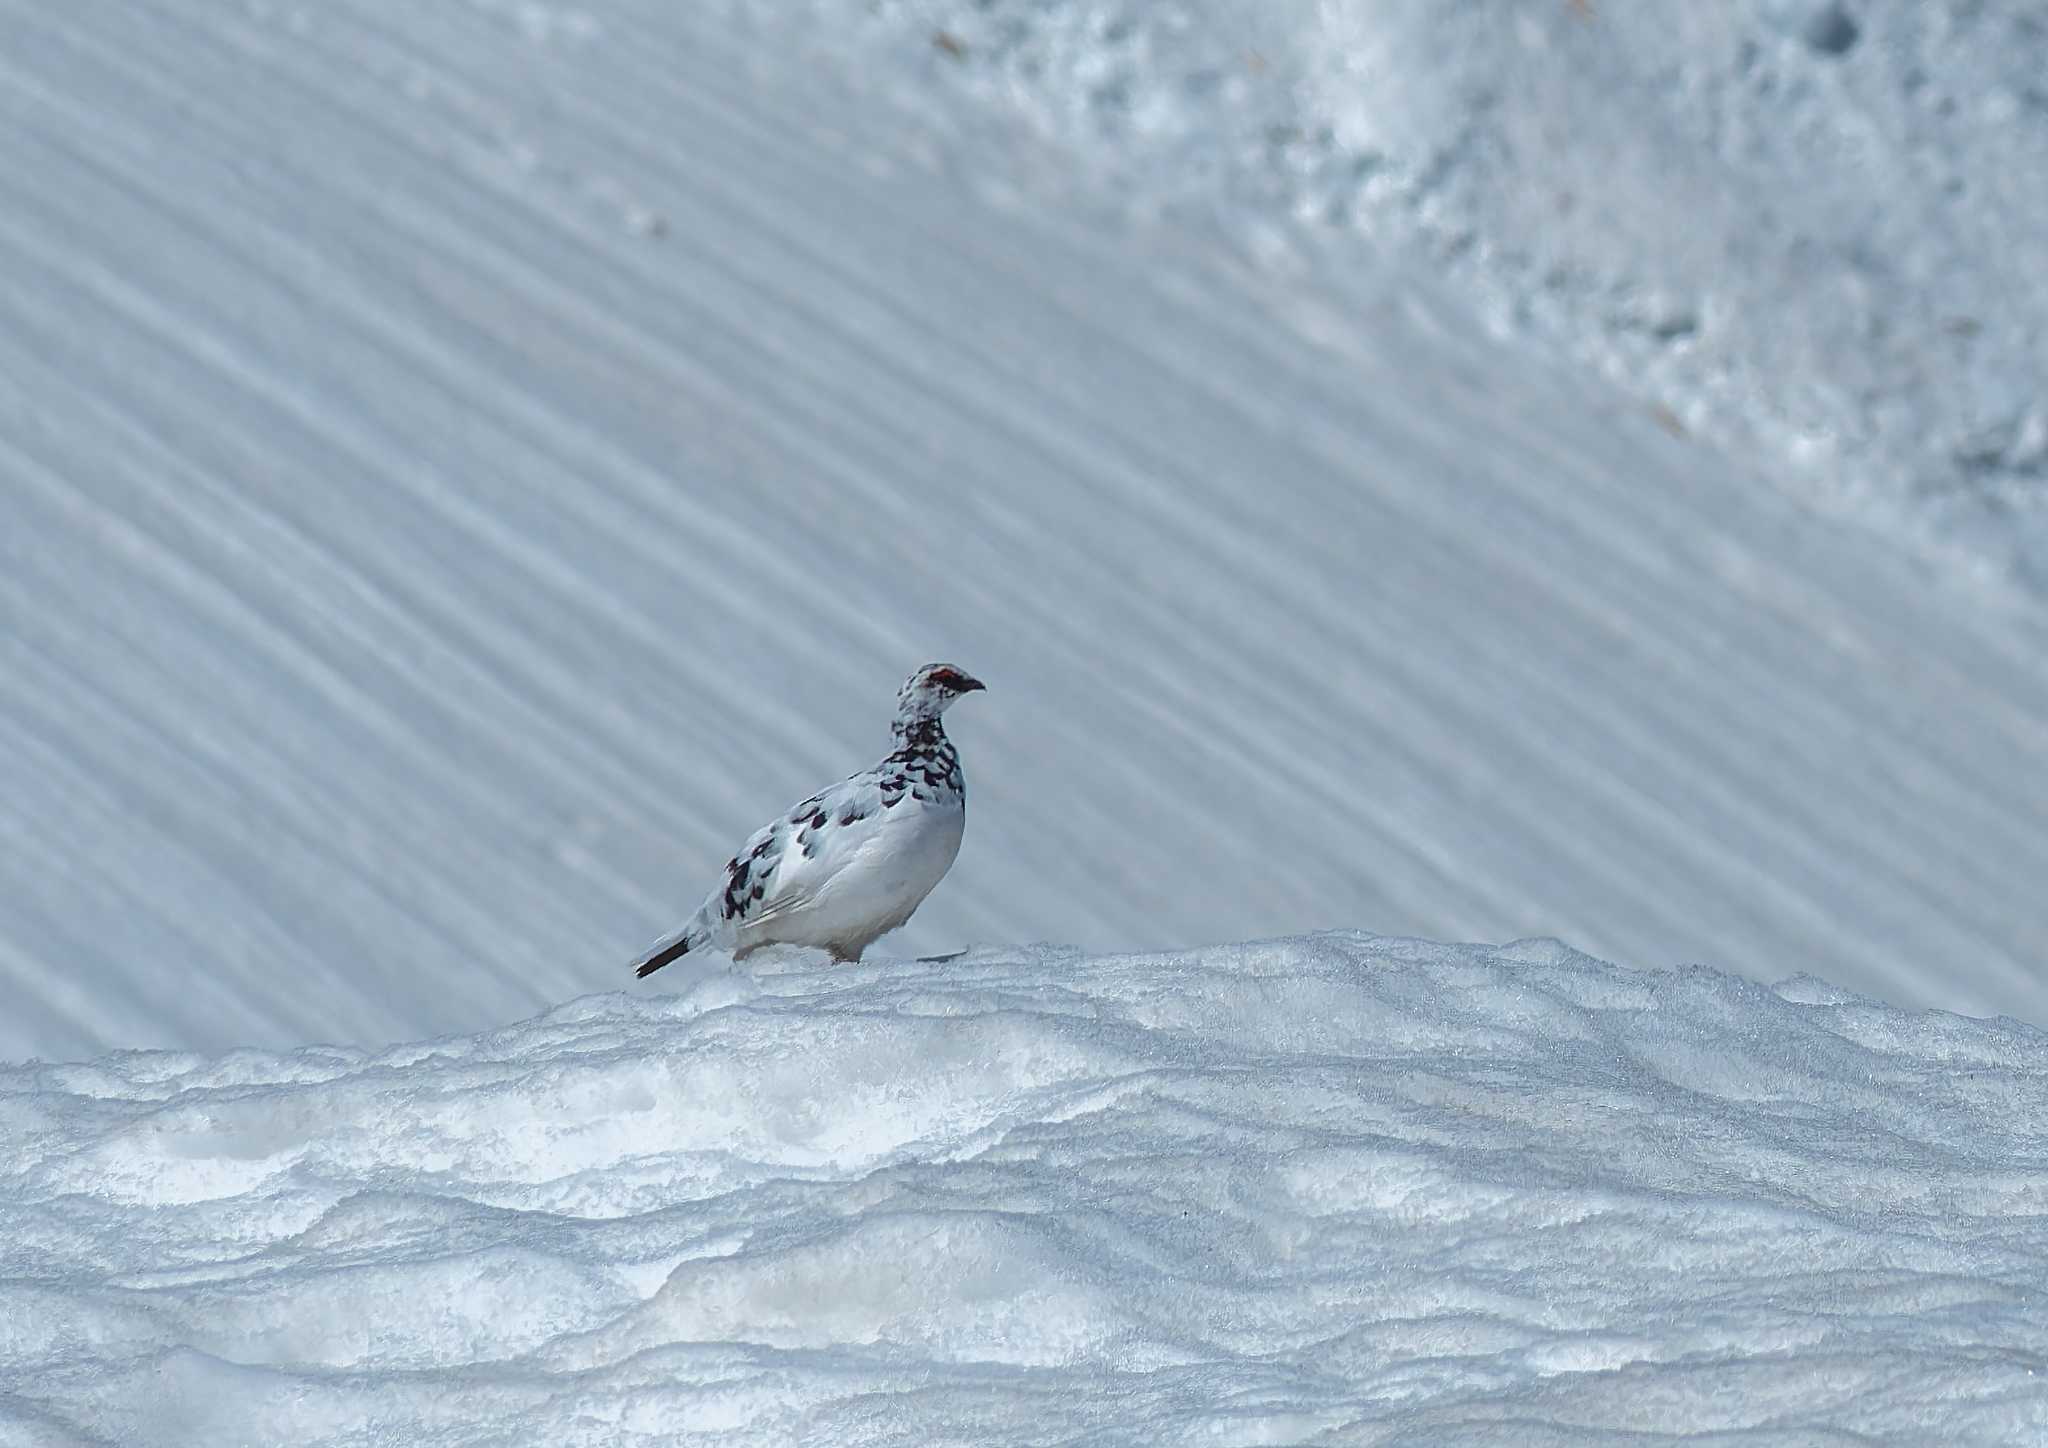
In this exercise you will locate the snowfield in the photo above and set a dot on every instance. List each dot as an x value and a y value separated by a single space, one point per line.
465 465
1809 229
1333 1189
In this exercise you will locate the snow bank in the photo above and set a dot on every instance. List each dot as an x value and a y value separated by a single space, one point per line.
1337 1188
1810 228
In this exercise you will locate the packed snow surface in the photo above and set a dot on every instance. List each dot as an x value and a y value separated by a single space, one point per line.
1335 1189
467 465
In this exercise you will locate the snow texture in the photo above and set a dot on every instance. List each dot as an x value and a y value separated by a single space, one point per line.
1810 229
1336 1189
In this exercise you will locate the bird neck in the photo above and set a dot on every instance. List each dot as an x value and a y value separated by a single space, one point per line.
918 731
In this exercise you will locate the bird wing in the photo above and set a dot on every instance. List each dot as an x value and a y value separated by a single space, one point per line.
784 864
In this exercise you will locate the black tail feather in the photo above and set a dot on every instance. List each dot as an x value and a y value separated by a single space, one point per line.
662 957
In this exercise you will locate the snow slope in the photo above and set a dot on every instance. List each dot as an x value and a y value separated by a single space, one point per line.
1326 1190
1810 229
466 465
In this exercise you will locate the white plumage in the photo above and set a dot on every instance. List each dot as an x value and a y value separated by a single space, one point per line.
852 862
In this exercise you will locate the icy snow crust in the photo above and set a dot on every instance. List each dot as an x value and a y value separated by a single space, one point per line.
1335 1189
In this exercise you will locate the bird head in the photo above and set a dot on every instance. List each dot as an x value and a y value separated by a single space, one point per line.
930 691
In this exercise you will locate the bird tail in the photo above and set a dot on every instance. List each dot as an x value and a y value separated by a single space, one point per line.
672 947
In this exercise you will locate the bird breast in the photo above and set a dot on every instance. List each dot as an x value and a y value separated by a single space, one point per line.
907 854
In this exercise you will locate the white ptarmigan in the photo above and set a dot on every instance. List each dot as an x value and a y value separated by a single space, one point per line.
852 862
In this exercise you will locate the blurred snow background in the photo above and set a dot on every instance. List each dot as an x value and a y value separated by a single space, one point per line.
1337 1190
466 465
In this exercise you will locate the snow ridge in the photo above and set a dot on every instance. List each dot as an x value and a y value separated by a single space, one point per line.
1336 1188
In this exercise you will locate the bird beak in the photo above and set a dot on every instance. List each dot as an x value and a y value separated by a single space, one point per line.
969 685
